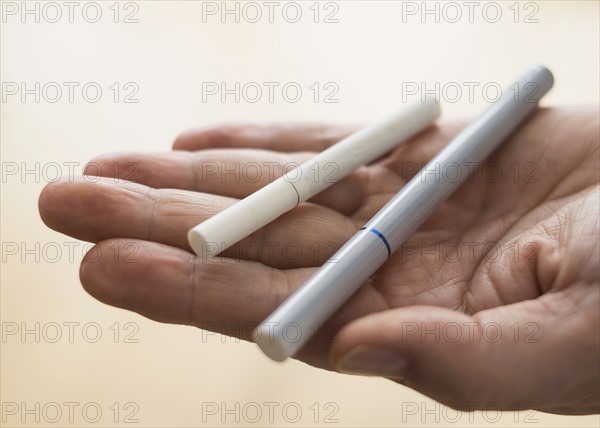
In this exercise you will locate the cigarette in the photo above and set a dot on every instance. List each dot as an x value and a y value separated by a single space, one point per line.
233 224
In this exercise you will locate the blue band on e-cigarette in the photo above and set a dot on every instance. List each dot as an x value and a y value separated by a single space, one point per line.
380 235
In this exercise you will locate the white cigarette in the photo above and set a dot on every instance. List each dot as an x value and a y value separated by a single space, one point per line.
233 224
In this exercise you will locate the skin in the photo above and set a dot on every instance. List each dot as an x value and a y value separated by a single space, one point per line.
504 276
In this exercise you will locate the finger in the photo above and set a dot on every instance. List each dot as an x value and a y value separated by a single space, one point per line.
284 137
94 211
406 159
225 172
512 357
168 284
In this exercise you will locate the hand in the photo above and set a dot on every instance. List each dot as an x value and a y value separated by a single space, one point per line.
494 300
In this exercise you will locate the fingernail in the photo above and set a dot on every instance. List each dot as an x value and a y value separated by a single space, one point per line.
373 361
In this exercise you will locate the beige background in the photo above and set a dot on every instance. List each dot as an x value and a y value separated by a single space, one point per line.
172 370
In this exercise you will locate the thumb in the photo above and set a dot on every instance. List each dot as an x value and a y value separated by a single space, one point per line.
538 354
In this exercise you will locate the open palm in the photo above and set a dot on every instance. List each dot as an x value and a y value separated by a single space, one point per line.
494 299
